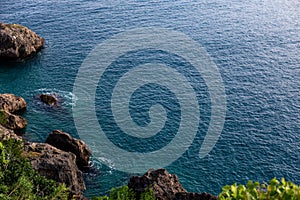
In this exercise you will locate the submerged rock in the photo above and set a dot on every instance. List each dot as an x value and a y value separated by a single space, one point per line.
18 42
49 99
11 103
66 142
165 186
11 121
57 165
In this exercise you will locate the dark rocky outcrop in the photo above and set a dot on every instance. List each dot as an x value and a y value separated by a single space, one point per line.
194 196
66 142
11 121
11 103
49 99
165 186
56 164
18 42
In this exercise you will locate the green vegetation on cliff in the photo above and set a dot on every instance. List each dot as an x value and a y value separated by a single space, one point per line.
18 180
125 193
275 190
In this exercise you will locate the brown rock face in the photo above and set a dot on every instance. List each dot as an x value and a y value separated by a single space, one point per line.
66 142
6 134
57 165
11 121
11 103
165 186
17 41
48 99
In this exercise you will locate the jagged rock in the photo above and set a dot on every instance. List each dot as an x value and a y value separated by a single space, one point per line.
194 196
66 142
11 103
165 186
57 165
17 41
6 134
49 99
12 121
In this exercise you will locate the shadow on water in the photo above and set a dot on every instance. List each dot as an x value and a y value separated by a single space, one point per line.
14 71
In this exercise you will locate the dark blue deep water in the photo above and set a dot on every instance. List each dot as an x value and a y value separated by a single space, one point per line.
255 44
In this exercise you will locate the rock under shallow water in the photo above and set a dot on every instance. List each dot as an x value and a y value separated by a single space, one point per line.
18 42
165 186
66 142
56 164
49 99
11 103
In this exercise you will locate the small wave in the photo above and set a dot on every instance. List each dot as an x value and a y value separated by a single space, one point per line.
67 98
109 163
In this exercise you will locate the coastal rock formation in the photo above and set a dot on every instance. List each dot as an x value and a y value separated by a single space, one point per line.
12 121
11 103
49 161
165 186
57 165
49 99
66 142
17 41
6 134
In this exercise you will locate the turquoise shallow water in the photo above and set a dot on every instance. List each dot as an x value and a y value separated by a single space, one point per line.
255 45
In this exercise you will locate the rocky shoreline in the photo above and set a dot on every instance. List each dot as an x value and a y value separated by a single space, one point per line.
62 157
59 158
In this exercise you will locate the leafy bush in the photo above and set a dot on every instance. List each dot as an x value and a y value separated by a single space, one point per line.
18 180
124 193
284 190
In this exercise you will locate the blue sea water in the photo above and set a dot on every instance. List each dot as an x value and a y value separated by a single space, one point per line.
255 45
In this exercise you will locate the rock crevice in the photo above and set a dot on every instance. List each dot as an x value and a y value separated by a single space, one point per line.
66 142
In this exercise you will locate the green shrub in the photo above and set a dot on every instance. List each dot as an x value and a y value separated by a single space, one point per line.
18 180
124 193
275 190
